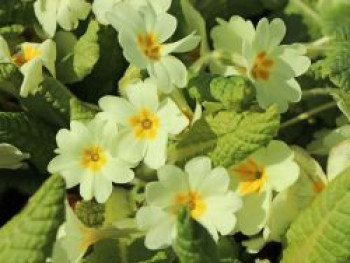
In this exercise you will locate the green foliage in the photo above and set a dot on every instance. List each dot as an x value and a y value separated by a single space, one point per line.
19 11
81 61
337 64
81 111
50 103
90 213
10 78
321 232
30 135
199 87
228 137
236 92
343 101
336 22
196 23
30 235
193 243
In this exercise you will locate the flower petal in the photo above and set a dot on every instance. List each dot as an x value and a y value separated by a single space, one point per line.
87 186
5 54
156 152
118 171
172 119
33 76
130 148
102 188
160 227
165 27
197 169
184 45
143 95
176 70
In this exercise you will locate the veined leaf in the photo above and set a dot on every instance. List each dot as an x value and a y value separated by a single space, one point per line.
30 235
193 243
322 232
30 135
227 137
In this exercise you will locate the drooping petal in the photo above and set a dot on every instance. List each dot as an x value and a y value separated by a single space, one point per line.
176 70
172 119
159 225
159 73
48 55
338 160
11 157
5 54
156 152
100 9
33 76
184 45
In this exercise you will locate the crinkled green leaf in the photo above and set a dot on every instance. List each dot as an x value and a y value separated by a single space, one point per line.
193 243
30 235
234 92
50 102
30 135
90 213
81 61
322 232
336 22
337 64
227 137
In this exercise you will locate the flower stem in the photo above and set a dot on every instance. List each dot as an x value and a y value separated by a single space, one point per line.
308 10
204 60
306 115
316 47
319 91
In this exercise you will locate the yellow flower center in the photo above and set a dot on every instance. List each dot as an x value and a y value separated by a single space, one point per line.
149 46
261 67
193 201
28 53
252 176
145 124
94 158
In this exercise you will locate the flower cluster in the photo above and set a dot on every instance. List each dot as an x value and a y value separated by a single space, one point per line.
193 126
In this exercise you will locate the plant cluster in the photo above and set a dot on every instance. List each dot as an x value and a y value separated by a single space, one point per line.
175 130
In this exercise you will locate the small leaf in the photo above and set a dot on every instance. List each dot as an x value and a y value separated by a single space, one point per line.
80 63
30 135
322 231
227 137
30 235
193 243
50 102
82 111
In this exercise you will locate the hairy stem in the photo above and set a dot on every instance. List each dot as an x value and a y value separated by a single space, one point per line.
306 115
319 92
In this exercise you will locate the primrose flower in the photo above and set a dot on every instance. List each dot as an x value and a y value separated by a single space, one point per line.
66 13
74 238
11 157
86 157
31 58
203 190
257 54
142 33
270 169
145 123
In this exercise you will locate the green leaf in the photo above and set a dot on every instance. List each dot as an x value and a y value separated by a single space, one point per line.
50 103
235 93
228 137
322 231
20 11
195 22
110 67
199 87
90 213
337 64
10 78
81 61
193 243
30 135
82 111
343 101
336 22
30 235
